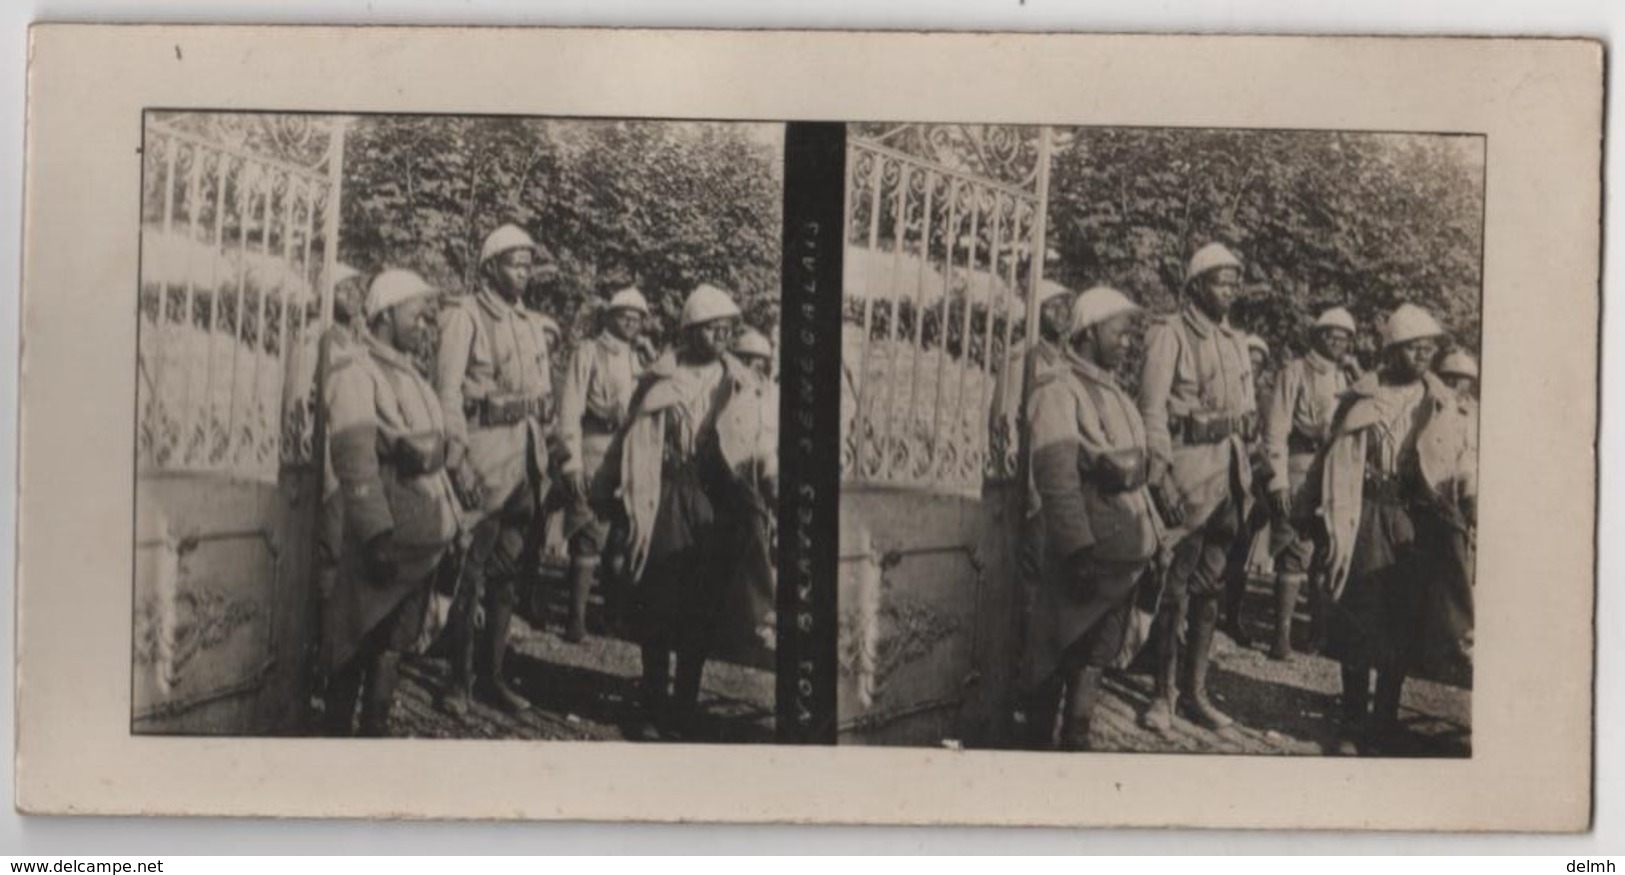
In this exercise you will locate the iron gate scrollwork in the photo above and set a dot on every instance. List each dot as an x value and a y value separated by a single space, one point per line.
238 230
944 227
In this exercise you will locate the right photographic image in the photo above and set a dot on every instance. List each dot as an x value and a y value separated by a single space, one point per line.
1160 440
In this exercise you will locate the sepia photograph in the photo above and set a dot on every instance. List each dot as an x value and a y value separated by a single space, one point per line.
1095 444
1160 440
456 427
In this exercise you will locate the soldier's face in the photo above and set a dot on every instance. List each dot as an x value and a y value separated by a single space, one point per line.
347 298
1112 339
1054 315
710 339
1258 360
1464 385
625 324
762 366
1217 290
1412 360
1333 343
510 272
414 322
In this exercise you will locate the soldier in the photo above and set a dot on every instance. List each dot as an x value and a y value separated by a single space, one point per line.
387 440
1459 371
593 403
1396 478
756 352
1297 420
750 616
1011 395
1100 529
494 386
349 289
1258 353
1196 397
687 475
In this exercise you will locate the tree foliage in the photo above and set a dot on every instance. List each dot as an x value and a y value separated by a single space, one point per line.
1360 220
664 205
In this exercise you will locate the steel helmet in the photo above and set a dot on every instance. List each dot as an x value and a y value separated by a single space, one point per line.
629 298
1459 363
1407 323
343 273
1049 290
707 303
1253 341
1097 305
503 239
393 286
1336 317
752 342
1211 257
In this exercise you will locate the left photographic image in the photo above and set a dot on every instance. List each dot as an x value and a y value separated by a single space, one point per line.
456 427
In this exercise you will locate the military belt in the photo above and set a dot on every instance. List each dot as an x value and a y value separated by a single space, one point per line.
1384 489
1211 427
1300 444
598 423
499 410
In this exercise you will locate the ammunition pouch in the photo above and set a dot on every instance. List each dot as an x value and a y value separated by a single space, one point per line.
418 454
1118 471
594 422
494 411
1212 427
1300 444
1385 489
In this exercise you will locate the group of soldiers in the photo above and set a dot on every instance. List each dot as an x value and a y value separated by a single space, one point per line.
448 450
1144 508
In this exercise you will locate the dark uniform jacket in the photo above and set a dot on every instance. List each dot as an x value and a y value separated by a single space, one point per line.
387 440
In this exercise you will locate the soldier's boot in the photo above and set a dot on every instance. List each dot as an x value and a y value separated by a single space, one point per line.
459 688
582 572
1287 587
1319 611
454 697
503 696
1356 704
653 692
1082 695
685 694
1205 623
1159 716
343 688
382 681
1235 593
1043 706
614 589
1385 706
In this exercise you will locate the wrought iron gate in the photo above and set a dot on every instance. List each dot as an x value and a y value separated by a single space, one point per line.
238 240
945 229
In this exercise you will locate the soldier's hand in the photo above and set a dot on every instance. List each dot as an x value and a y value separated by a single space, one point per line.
1168 503
1280 504
466 483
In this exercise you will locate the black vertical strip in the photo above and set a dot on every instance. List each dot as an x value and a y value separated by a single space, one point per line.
809 432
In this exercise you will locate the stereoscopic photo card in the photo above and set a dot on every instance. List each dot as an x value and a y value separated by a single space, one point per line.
809 427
